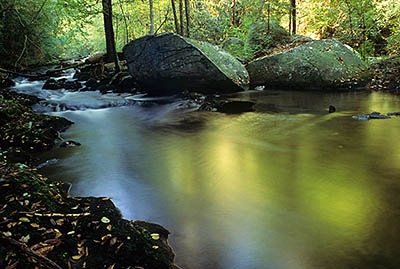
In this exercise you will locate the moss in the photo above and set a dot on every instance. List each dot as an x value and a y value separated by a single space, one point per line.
21 127
260 40
96 228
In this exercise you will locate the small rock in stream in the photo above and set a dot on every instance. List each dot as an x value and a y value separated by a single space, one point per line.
371 116
69 144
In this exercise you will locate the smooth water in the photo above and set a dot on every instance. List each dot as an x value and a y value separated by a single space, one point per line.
289 186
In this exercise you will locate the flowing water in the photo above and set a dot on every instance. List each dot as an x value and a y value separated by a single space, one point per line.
288 186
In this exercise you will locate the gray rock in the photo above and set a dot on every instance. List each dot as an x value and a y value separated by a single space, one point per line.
168 63
371 116
322 64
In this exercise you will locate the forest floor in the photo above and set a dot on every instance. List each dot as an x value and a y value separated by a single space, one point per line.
41 226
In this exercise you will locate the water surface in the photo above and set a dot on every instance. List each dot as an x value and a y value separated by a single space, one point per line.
289 186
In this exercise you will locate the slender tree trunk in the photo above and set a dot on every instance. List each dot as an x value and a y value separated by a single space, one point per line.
290 20
187 11
151 32
233 7
181 16
269 16
125 22
293 4
175 16
109 32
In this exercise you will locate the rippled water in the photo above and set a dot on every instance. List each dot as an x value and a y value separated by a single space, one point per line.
287 186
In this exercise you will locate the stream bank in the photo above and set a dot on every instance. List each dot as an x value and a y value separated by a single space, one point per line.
42 225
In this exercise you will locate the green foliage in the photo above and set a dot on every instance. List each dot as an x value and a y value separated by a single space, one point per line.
264 35
371 27
33 31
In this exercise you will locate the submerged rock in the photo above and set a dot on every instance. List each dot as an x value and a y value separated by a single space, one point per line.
166 64
321 64
236 107
371 116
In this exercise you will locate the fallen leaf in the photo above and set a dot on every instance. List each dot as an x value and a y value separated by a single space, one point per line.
155 236
155 247
24 219
35 225
60 222
76 257
45 250
71 232
105 220
12 224
109 227
75 207
106 237
58 233
8 234
80 244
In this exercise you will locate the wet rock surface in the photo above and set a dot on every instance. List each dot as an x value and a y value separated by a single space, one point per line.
375 116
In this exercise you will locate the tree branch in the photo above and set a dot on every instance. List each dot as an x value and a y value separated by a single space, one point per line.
23 51
46 262
165 20
38 12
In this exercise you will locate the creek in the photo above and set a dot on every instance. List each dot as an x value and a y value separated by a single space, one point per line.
289 186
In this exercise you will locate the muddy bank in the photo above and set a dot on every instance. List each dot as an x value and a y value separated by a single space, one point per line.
42 226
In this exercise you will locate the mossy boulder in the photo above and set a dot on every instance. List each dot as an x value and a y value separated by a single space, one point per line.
321 64
167 63
264 36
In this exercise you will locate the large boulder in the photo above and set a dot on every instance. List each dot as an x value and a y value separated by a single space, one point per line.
167 63
316 65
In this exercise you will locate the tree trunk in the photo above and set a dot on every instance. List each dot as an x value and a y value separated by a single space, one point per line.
290 20
293 5
181 16
151 32
109 32
175 16
126 23
269 16
187 11
233 13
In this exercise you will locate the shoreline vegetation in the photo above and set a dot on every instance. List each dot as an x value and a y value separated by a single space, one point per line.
41 226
